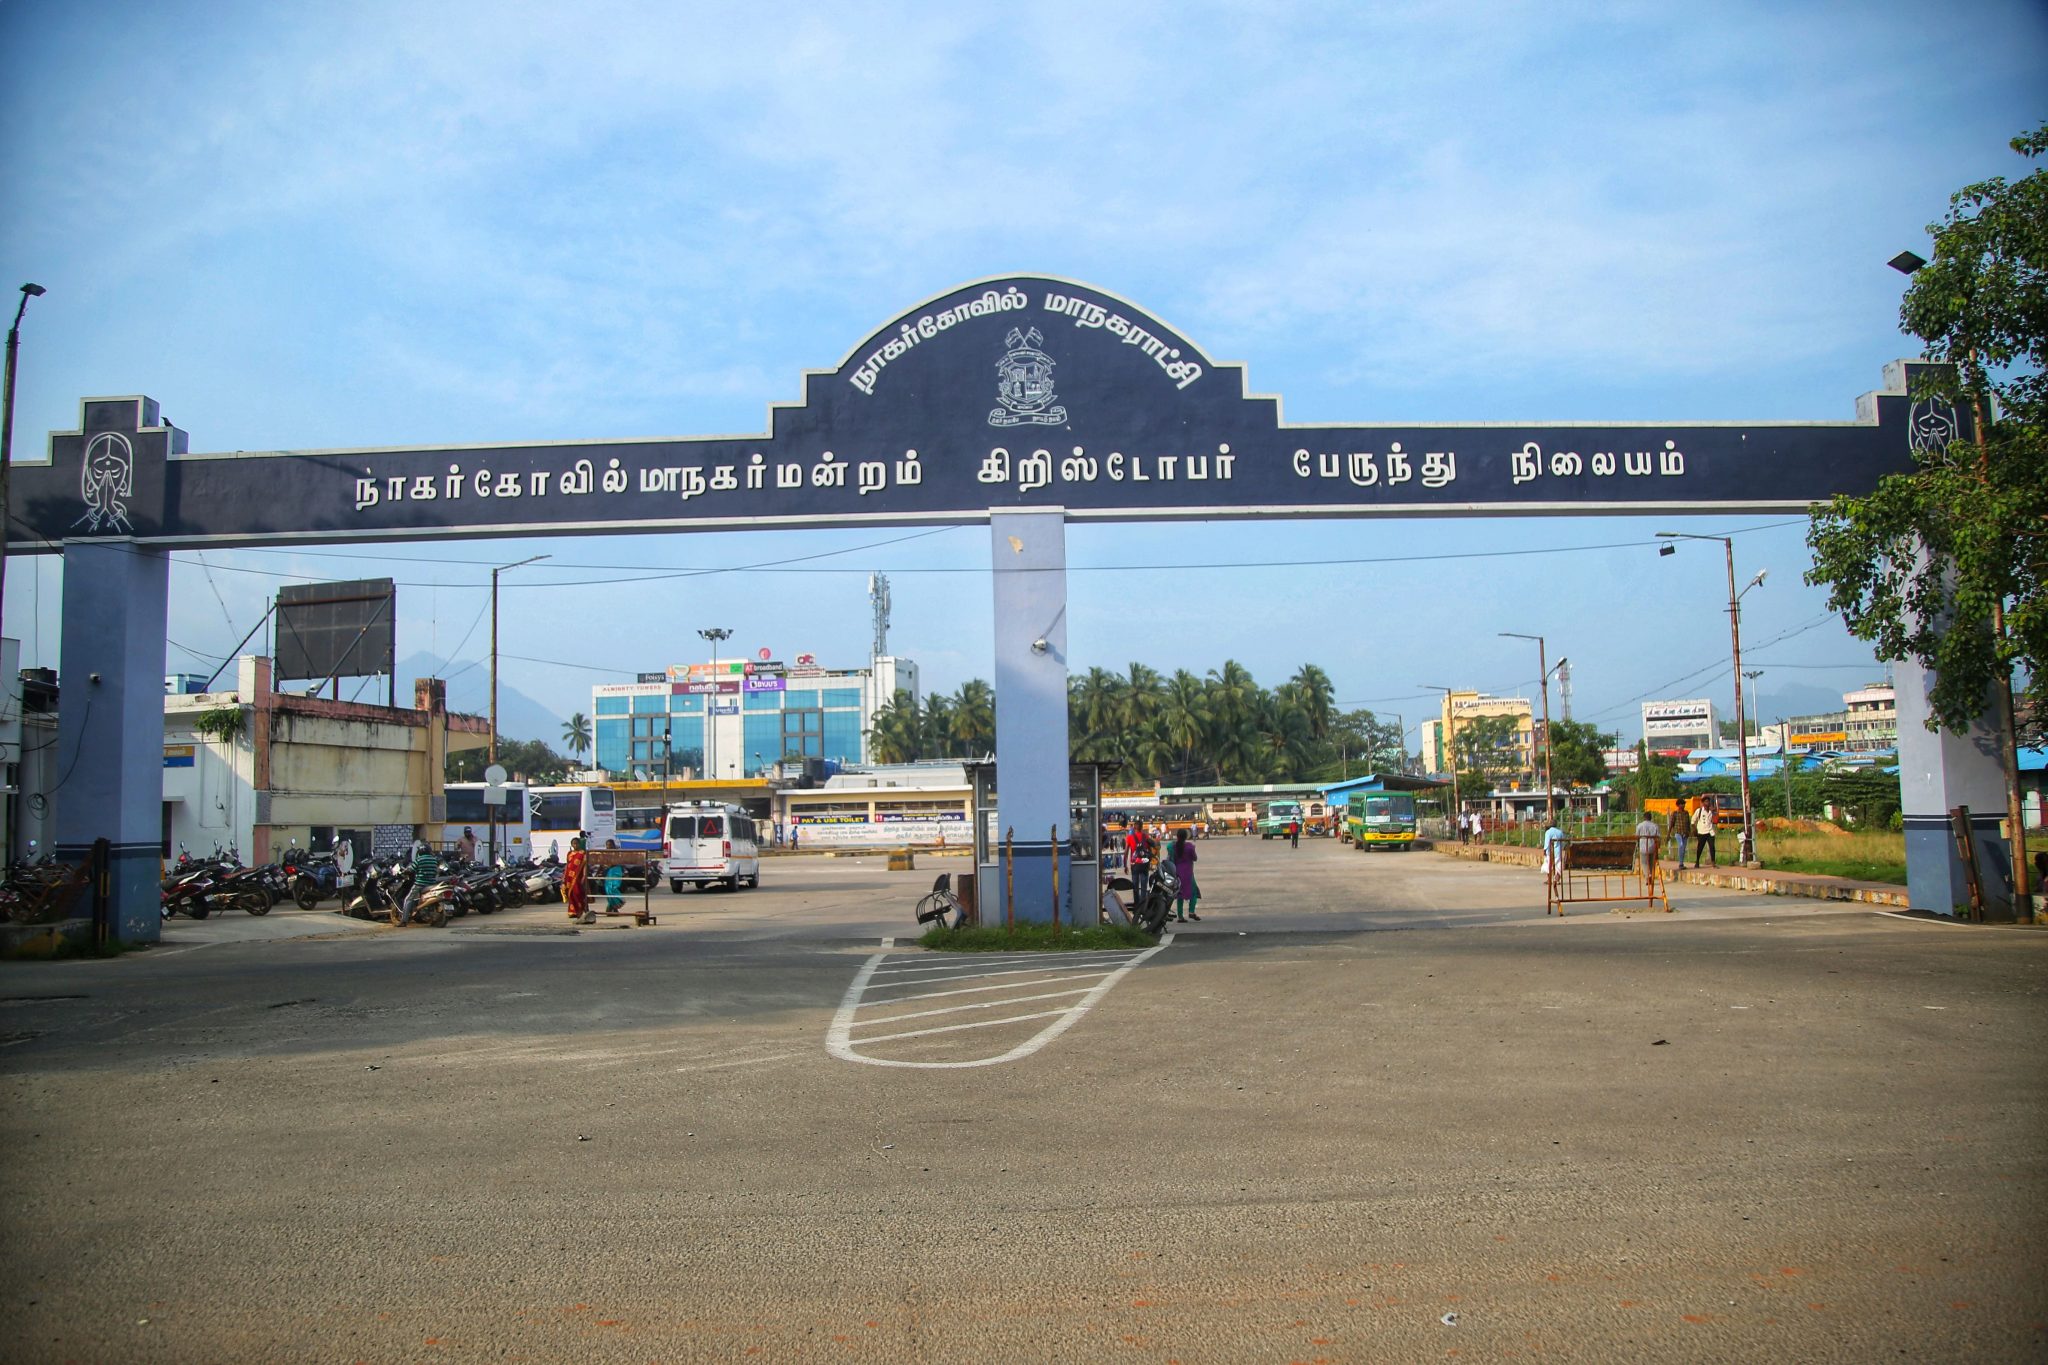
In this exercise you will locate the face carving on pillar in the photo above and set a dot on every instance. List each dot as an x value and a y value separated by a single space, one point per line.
1933 424
107 477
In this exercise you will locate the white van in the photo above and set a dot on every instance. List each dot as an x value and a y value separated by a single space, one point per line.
710 843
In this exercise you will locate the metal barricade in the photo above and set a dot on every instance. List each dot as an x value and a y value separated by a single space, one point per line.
1604 870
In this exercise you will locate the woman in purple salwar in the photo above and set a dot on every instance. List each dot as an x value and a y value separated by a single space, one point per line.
1184 869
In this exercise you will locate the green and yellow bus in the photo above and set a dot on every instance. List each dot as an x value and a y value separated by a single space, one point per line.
1381 820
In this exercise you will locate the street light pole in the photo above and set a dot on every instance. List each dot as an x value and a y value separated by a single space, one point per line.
28 291
1748 850
715 635
1543 666
494 645
1450 744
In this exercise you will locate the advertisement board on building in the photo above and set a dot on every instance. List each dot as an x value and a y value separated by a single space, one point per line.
891 829
1690 717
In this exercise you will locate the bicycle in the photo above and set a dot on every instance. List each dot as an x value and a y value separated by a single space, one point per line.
941 902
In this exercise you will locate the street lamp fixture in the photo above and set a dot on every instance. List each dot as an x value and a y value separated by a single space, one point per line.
714 636
1543 669
28 291
1748 850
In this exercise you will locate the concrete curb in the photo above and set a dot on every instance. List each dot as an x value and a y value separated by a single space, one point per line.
1757 879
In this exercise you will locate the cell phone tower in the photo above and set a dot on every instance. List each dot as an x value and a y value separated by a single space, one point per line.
1564 685
878 595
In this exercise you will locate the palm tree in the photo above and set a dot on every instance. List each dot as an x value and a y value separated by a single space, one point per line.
1317 695
576 735
1091 711
1235 701
1283 740
974 718
936 728
1139 696
1184 710
896 736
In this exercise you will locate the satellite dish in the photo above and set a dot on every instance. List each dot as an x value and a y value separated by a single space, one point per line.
496 774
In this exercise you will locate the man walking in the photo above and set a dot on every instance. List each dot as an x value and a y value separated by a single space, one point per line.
1679 831
1703 834
1646 847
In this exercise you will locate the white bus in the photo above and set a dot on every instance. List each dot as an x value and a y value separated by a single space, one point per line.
558 814
467 810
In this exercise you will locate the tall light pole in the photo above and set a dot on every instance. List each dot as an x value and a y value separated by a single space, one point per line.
1748 851
532 559
1450 744
28 291
1543 667
715 635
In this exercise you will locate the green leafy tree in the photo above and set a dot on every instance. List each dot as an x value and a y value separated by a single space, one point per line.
1577 753
1945 565
1488 751
527 760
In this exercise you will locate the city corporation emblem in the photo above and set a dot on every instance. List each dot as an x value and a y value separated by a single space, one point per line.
1933 424
105 479
1024 384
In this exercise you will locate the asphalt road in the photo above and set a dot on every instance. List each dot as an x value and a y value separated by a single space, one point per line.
1372 1108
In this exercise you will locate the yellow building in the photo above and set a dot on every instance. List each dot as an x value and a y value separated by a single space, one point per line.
1462 708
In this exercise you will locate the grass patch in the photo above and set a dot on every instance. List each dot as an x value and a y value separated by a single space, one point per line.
1825 851
1038 938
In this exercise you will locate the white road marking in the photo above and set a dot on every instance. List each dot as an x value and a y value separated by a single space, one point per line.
840 1042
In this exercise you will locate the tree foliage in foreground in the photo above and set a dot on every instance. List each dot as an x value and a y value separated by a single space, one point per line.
1945 565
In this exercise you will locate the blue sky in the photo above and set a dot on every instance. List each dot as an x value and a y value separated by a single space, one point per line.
321 226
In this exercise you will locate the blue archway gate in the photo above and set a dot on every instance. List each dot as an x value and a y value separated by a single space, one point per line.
1023 402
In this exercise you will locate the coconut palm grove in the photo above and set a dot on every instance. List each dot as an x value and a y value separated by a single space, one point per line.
1181 729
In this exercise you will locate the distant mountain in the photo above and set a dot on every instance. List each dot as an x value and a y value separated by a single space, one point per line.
519 716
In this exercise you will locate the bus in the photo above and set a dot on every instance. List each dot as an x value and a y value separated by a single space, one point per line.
1279 817
1381 820
468 810
558 814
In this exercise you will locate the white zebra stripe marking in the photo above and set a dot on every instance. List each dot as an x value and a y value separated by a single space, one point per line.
841 1042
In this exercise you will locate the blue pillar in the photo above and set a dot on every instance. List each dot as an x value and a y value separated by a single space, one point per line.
1938 772
110 723
1028 551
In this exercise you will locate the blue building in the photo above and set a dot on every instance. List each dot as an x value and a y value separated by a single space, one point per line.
739 718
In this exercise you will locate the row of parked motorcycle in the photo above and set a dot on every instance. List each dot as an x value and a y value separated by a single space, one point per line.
196 887
462 888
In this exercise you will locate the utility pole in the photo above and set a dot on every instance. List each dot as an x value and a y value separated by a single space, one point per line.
1451 745
1543 665
1735 645
532 559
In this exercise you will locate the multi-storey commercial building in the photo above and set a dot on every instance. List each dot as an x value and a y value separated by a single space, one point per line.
1680 726
735 718
1461 709
1872 718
